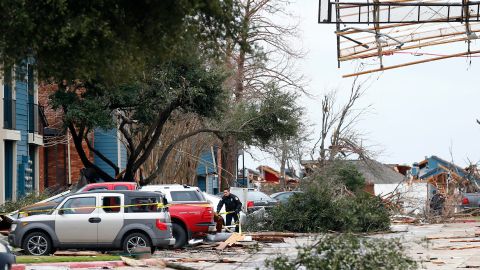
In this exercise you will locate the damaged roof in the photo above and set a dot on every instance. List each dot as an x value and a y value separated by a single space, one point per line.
373 171
376 172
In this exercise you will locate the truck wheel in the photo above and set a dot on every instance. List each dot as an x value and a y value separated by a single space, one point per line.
136 240
37 244
180 235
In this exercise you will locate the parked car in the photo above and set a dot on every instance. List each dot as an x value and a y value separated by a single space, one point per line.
214 200
283 196
7 258
257 200
470 200
50 203
96 220
192 215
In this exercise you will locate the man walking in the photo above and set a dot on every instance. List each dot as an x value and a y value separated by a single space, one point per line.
232 207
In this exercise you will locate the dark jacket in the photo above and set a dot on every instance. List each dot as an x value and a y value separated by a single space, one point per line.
232 203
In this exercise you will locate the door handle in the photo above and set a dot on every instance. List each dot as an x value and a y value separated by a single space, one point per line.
94 220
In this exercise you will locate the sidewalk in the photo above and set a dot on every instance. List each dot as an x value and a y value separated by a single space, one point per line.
67 265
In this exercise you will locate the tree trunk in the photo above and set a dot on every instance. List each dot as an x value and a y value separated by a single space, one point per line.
129 175
283 181
229 161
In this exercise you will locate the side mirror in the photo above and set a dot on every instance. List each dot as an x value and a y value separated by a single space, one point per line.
61 212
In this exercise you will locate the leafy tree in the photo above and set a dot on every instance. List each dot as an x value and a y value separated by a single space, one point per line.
108 39
346 251
142 108
132 64
269 58
332 200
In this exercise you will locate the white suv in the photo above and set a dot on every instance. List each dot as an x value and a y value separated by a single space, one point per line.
192 215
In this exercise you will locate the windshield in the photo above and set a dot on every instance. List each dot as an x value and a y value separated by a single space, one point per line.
59 199
258 196
187 196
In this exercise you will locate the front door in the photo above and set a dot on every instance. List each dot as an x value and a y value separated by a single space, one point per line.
78 221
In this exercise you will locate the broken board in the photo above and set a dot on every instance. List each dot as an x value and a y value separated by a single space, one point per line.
235 237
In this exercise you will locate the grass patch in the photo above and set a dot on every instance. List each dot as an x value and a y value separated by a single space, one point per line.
55 259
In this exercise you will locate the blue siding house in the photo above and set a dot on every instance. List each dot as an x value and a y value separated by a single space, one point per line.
19 132
207 176
433 166
442 174
108 143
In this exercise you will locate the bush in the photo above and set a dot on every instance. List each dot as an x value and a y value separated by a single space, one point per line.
318 210
347 252
311 211
10 206
336 176
362 213
333 201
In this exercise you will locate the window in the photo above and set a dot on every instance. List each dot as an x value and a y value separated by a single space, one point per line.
97 189
111 204
186 196
146 207
84 205
257 196
284 197
121 187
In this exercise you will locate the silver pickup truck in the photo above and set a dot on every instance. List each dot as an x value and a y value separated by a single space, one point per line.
470 200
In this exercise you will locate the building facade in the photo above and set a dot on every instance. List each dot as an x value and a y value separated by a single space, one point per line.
108 142
20 132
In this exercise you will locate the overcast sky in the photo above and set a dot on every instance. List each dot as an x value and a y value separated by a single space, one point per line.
417 111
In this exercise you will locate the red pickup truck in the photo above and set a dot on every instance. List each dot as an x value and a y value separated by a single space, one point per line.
192 215
110 186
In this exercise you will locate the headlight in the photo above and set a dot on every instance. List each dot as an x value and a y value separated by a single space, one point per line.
13 227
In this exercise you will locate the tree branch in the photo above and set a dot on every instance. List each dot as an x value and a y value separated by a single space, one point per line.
101 156
77 141
171 146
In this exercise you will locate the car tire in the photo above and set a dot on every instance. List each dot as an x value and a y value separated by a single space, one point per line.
180 235
37 244
134 240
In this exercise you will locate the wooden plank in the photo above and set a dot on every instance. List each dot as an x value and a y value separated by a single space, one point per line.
465 247
360 50
231 240
281 234
76 253
465 240
409 64
434 237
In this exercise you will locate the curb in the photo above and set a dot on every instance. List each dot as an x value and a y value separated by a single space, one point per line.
76 265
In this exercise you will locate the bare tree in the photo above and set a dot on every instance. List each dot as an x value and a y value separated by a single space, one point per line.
180 164
263 54
338 134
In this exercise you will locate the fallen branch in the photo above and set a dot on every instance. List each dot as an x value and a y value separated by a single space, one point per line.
268 238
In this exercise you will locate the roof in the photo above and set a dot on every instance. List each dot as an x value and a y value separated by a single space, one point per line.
129 193
434 165
169 187
376 172
112 183
269 170
373 171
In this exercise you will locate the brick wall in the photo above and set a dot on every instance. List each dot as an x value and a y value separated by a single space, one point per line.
55 161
